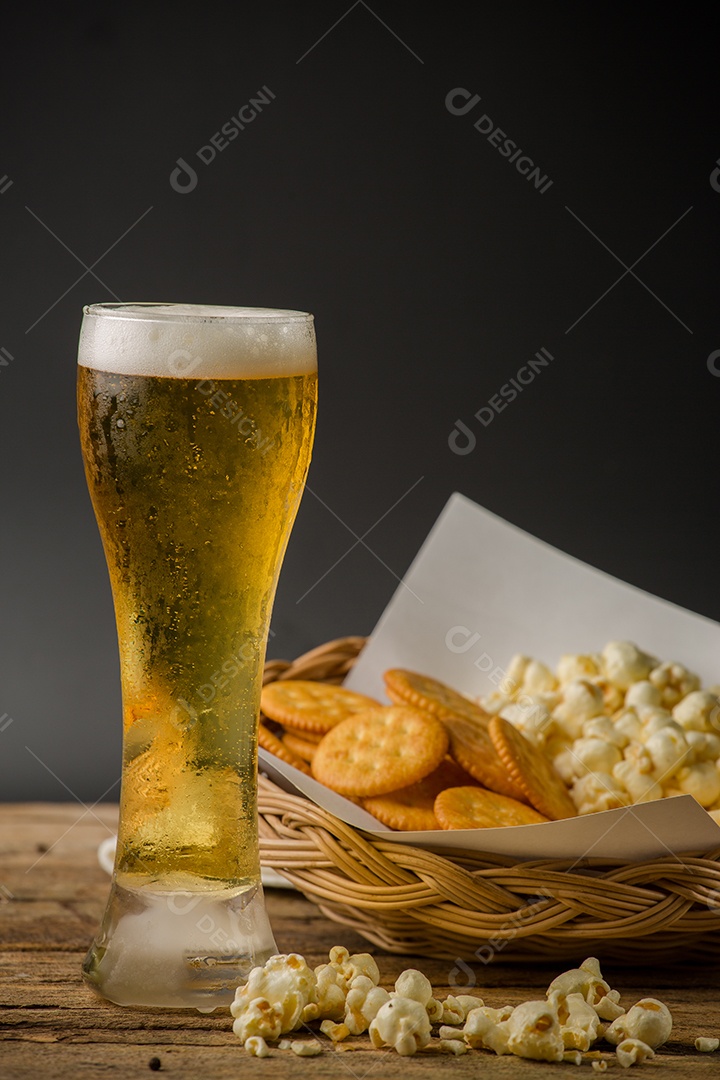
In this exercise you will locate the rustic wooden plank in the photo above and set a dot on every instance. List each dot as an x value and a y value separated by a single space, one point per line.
52 893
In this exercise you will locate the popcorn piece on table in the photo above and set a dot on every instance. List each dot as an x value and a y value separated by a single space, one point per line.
364 1001
306 1047
485 1028
256 1046
401 1023
579 1022
534 1031
649 1021
633 1052
286 984
705 1045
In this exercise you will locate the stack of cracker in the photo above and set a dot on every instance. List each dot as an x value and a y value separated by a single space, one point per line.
432 759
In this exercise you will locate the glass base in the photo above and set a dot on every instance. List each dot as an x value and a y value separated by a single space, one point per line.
178 949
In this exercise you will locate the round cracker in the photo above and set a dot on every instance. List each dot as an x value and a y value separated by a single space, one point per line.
311 706
536 777
273 745
380 750
307 736
477 808
411 809
466 723
299 746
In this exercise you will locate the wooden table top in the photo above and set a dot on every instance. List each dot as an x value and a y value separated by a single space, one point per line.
53 892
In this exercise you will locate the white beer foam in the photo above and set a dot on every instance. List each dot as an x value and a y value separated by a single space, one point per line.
198 341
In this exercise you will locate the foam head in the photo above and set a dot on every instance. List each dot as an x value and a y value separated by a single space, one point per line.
198 341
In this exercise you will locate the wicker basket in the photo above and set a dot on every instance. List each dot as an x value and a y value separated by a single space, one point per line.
469 906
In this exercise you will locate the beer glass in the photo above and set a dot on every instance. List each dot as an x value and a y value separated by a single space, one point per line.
196 424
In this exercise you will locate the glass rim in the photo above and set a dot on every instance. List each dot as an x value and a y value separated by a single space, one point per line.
157 311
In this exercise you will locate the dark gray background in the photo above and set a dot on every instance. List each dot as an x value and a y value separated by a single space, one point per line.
434 270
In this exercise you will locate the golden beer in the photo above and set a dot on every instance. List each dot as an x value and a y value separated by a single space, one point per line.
196 427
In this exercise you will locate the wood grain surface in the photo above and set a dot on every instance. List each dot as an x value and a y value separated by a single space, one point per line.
52 894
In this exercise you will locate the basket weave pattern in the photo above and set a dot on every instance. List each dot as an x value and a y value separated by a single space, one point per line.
472 906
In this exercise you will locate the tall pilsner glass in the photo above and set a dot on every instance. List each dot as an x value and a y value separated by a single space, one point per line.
196 425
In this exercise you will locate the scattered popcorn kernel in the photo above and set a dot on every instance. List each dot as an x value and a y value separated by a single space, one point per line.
633 1052
413 984
534 1032
573 1057
706 1046
306 1047
586 980
579 1022
286 983
336 1032
362 1004
600 1065
609 1007
258 1018
486 1028
401 1023
331 991
435 1010
450 1033
649 1021
257 1047
349 967
623 664
467 1003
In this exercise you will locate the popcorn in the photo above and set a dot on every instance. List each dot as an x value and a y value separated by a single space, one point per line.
623 664
486 1028
581 700
573 666
286 984
595 755
698 711
702 781
258 1019
336 1032
257 1047
602 727
649 1021
456 1009
627 724
414 985
534 1032
643 692
632 1051
531 716
586 980
668 749
401 1023
349 967
331 992
364 1001
597 791
706 1046
579 1022
537 678
674 682
639 785
306 1047
704 746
